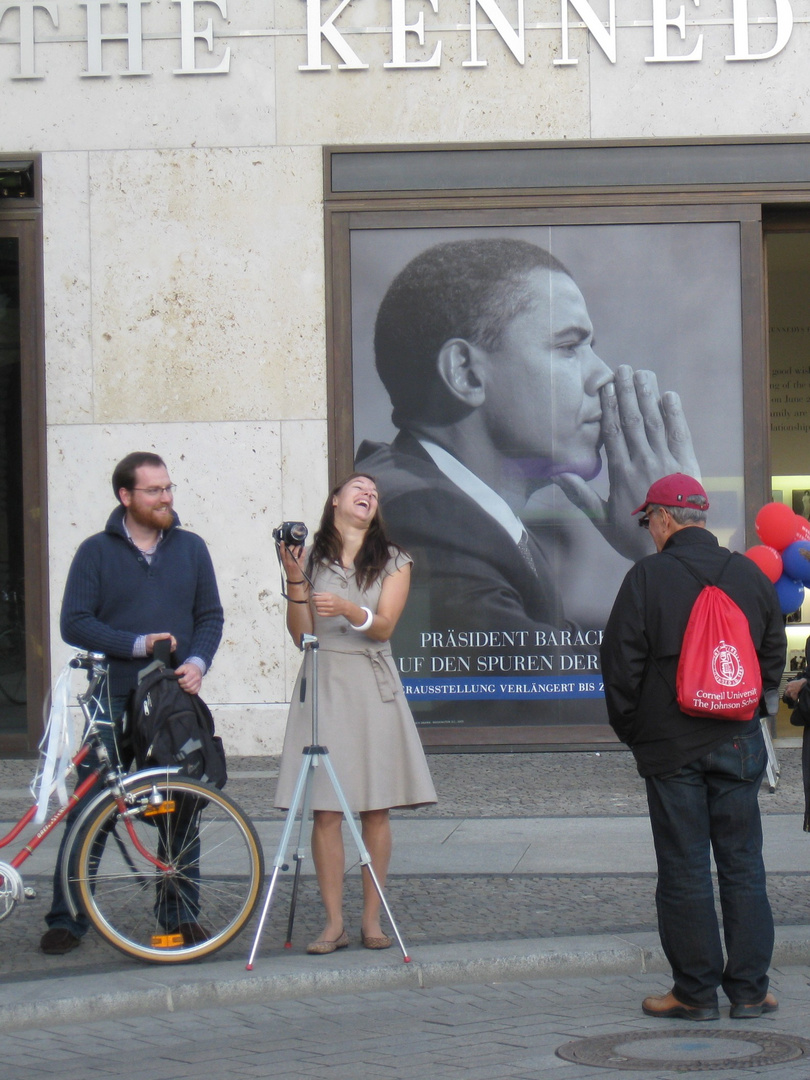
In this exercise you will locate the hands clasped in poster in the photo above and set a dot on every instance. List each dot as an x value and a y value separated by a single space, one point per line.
645 435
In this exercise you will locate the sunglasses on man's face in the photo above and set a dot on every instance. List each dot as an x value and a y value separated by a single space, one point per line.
644 520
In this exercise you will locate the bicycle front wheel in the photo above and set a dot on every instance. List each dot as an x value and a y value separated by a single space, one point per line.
203 890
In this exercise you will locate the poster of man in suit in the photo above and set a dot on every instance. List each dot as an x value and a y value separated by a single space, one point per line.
516 392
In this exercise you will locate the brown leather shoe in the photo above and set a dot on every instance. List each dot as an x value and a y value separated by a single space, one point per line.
57 941
751 1010
193 933
667 1006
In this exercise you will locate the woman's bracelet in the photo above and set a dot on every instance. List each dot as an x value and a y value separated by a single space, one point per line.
369 619
289 598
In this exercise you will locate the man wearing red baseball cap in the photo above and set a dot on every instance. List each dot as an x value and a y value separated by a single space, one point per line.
677 489
702 773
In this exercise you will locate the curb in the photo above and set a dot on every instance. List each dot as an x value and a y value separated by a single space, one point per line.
79 998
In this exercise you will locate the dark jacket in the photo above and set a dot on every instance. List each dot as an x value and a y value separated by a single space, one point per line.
113 596
647 624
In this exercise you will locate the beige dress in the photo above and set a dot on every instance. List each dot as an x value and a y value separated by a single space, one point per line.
363 717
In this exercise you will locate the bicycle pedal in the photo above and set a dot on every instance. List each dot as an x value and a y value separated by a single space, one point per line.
166 807
167 941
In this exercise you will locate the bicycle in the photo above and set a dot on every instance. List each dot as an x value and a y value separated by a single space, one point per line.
154 849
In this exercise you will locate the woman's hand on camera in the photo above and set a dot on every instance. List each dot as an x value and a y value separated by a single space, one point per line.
292 560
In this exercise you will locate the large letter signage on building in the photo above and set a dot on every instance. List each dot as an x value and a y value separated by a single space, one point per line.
412 40
26 11
133 38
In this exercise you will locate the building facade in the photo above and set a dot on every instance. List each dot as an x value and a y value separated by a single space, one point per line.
202 203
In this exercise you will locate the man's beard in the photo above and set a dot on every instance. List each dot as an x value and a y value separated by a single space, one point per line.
151 518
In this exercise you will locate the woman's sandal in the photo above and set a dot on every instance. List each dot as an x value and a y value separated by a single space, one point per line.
321 947
383 942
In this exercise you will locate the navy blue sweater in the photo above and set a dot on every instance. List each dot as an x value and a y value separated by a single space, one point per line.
113 596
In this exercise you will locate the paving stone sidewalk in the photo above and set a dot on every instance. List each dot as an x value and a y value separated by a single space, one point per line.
444 908
507 1029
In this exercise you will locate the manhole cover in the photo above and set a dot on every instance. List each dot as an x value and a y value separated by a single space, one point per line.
684 1050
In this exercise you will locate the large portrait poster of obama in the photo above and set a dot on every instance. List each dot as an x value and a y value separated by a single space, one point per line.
516 391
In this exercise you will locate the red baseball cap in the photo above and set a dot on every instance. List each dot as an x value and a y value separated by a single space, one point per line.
677 489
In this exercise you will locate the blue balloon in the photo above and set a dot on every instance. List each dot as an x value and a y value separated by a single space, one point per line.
796 560
790 593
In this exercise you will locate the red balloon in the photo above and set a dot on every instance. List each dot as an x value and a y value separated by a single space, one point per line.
776 525
767 559
802 528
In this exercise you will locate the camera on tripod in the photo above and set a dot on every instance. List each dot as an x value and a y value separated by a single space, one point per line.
291 533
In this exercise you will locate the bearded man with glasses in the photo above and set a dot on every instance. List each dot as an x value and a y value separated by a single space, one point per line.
143 579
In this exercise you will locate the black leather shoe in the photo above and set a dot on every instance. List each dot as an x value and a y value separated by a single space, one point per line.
57 941
193 933
752 1010
667 1006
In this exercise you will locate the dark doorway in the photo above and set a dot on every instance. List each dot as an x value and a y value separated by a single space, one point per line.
12 559
24 617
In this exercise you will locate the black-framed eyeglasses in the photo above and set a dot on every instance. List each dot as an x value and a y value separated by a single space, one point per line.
154 492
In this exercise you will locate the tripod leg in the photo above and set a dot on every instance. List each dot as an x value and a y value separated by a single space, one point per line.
262 918
300 792
298 857
365 858
293 902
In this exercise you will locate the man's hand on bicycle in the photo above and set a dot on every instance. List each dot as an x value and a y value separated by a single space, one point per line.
152 638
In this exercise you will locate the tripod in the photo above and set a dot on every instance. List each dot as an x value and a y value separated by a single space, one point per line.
314 756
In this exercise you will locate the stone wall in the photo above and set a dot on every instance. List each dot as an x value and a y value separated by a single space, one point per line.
183 222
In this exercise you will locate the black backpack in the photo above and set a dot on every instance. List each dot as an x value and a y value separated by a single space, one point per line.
165 725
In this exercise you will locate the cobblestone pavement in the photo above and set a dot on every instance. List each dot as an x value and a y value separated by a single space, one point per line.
479 785
531 785
479 1032
439 909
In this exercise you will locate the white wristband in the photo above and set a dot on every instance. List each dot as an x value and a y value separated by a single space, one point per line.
369 619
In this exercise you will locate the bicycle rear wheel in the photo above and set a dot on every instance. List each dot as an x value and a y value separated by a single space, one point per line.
203 899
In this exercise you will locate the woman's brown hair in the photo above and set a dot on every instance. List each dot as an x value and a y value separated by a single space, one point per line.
375 551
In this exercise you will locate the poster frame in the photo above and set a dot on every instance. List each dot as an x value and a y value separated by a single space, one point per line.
506 209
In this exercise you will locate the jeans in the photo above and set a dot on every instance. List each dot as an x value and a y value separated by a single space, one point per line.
176 898
710 806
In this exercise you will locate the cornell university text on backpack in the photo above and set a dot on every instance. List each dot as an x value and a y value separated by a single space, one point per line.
718 671
168 726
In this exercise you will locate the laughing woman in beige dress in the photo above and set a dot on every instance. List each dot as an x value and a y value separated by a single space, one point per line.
360 585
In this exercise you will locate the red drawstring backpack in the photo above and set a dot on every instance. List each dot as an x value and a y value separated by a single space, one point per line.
718 671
